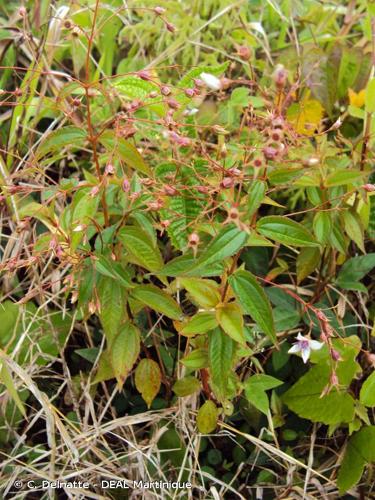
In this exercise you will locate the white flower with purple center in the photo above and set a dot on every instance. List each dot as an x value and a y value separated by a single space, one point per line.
305 345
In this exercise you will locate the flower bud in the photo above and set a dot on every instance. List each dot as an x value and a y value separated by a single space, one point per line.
270 152
170 190
159 11
189 92
198 82
335 355
125 185
202 189
170 27
276 135
165 90
109 169
144 75
173 104
76 31
227 182
94 191
280 76
22 11
193 239
369 187
244 52
153 94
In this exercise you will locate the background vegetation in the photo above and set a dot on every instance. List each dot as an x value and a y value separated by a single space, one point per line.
187 193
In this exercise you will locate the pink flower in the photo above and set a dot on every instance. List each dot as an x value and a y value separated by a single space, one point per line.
305 345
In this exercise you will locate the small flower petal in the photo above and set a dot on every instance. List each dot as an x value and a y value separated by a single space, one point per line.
300 336
211 81
294 349
315 345
305 354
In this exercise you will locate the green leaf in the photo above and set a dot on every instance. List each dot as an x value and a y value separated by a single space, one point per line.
343 177
304 398
141 248
367 394
112 310
322 226
307 261
228 242
205 293
359 451
124 351
105 369
125 150
196 360
186 386
230 319
255 390
187 81
355 269
7 380
58 139
158 300
255 196
199 324
112 269
207 417
285 231
253 300
182 266
353 228
370 97
133 87
220 355
148 379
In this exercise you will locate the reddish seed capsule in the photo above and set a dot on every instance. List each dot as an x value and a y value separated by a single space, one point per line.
276 135
76 102
270 152
278 122
109 169
227 182
335 355
334 379
236 172
244 52
202 189
189 92
170 190
280 76
144 75
257 162
165 223
170 27
159 11
233 214
94 191
193 239
68 24
125 185
165 90
173 104
198 82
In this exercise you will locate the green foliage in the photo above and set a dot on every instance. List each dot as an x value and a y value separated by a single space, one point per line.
182 193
